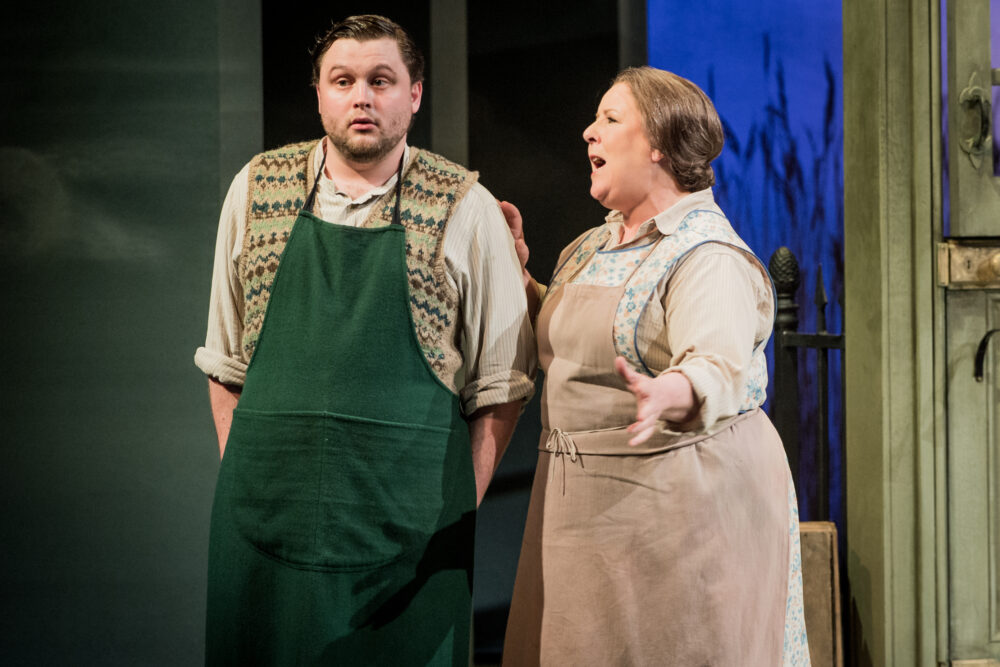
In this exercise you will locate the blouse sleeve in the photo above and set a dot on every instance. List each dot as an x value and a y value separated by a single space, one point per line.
717 307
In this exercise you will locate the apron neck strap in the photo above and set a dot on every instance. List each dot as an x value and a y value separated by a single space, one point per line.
396 220
399 192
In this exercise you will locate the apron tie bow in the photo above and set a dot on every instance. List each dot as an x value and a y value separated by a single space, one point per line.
561 445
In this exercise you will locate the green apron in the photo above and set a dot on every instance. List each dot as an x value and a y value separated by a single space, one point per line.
344 514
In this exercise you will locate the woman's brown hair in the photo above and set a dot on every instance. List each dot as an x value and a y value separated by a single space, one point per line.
680 121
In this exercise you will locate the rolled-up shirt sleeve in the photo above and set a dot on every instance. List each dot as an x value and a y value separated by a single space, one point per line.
717 307
221 356
498 342
496 338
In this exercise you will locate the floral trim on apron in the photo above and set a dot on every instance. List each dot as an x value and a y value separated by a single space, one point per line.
643 268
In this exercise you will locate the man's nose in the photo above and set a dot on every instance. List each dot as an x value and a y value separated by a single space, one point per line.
362 95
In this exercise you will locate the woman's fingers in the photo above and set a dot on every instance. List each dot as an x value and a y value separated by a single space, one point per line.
623 369
513 218
644 418
646 414
516 226
642 436
636 383
648 410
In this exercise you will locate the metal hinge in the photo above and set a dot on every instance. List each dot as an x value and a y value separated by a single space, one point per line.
968 265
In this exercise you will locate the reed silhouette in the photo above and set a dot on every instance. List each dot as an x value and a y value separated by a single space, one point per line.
781 184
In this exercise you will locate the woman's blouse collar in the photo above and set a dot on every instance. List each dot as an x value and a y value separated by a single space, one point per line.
666 222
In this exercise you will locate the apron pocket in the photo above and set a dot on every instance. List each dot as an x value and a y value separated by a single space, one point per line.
324 491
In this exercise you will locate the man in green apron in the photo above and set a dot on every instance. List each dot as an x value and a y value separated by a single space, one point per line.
368 352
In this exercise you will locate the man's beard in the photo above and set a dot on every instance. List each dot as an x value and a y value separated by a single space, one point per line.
361 149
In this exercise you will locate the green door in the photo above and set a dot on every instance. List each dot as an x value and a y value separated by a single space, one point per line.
974 475
969 268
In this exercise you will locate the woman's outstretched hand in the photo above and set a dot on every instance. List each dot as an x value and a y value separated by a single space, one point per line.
667 397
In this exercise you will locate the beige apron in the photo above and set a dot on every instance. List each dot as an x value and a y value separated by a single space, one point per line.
675 552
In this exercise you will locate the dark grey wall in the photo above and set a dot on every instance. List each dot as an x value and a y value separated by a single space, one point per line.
536 75
121 126
111 155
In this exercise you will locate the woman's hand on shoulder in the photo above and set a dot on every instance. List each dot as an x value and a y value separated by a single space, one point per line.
669 397
516 225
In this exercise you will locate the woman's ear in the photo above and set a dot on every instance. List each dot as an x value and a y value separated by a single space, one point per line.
656 156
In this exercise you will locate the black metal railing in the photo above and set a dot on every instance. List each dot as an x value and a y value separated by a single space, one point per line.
788 391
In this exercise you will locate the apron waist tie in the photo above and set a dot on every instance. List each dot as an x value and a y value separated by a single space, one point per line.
613 441
561 445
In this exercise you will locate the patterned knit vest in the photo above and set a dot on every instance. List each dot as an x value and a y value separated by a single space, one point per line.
432 186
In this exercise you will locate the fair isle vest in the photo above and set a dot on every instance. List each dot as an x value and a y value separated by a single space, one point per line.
279 182
697 228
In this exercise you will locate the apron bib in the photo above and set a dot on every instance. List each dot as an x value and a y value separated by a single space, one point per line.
674 552
344 514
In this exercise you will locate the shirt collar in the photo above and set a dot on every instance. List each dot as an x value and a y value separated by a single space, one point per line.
666 222
377 191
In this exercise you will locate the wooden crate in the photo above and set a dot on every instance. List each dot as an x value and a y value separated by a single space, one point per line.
821 592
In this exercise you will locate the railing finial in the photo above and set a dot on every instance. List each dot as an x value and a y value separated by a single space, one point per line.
784 270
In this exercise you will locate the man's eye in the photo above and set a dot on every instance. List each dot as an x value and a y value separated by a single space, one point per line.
612 120
380 82
342 83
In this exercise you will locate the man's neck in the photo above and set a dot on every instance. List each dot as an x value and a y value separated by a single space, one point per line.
357 178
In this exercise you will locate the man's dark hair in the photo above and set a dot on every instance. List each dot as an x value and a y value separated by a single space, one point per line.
366 27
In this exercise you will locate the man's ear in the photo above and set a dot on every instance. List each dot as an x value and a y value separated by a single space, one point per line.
416 94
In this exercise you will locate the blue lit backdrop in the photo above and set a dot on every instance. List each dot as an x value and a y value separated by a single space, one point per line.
774 72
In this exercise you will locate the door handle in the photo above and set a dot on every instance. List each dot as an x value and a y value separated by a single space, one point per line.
975 137
981 354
